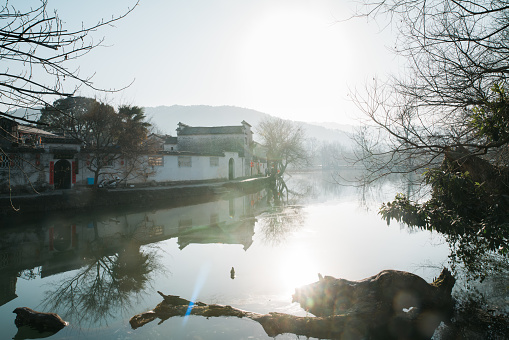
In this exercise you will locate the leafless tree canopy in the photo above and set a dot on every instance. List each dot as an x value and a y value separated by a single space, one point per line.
284 141
36 51
455 52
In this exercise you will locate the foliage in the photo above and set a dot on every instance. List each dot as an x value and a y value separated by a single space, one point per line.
65 115
284 141
446 116
474 221
135 127
473 319
107 135
491 119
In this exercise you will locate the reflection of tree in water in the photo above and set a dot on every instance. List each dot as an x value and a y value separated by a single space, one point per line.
108 284
30 274
371 193
283 215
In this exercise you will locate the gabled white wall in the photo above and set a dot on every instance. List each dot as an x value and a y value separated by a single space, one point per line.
200 169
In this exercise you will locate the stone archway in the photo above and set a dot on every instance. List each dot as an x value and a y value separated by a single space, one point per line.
231 169
62 174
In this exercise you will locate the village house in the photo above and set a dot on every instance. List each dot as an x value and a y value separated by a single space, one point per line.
204 153
32 157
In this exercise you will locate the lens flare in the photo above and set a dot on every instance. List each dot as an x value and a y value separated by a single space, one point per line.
200 281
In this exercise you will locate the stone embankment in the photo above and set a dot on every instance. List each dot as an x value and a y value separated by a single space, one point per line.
93 198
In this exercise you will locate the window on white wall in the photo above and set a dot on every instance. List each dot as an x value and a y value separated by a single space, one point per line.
214 161
185 162
155 160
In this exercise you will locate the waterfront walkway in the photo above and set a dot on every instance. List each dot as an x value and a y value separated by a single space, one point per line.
92 198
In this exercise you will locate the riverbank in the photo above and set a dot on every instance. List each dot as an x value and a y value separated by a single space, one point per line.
92 198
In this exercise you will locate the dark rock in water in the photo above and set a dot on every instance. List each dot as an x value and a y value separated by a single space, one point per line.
42 322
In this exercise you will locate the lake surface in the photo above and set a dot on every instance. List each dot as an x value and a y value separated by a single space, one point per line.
97 271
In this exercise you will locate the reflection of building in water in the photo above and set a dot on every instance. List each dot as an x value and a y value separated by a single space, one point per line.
237 232
59 246
7 288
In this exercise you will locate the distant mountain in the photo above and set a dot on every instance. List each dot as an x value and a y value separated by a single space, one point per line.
166 119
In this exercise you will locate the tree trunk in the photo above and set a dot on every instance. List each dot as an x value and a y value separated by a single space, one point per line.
371 315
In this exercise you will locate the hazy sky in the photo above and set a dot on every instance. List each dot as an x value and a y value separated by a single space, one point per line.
295 59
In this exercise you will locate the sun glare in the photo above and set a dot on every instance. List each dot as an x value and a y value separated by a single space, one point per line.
297 268
290 57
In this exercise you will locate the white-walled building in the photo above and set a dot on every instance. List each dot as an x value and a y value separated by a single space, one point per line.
195 154
200 153
203 153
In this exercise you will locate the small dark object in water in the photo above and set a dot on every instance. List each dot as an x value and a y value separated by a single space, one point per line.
43 322
232 273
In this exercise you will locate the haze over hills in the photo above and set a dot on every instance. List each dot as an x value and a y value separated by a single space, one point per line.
166 119
335 126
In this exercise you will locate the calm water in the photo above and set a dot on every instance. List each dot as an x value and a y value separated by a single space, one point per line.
98 271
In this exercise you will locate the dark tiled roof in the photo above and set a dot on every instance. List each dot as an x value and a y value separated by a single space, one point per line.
170 140
215 130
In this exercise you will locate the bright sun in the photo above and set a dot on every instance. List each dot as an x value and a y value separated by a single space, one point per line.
292 56
297 268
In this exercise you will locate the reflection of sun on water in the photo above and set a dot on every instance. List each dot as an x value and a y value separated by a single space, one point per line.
297 268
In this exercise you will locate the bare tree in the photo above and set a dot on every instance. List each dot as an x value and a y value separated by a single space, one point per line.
456 53
447 114
37 51
284 141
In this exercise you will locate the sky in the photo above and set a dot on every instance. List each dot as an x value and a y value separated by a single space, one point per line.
295 59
